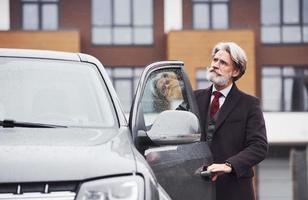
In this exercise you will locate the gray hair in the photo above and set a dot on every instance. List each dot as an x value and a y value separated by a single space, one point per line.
237 54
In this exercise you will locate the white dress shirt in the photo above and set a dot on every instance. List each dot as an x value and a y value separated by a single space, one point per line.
224 93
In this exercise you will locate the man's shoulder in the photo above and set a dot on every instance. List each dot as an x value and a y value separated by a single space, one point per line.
248 97
201 92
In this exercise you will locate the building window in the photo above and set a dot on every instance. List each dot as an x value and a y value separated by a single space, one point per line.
284 21
201 80
122 22
210 14
40 15
285 88
125 80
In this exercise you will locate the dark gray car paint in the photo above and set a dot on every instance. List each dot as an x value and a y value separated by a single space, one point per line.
178 171
31 155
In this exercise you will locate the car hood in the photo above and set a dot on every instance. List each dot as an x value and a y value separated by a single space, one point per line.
58 154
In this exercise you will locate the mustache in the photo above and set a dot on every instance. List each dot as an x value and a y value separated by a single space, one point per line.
210 68
214 71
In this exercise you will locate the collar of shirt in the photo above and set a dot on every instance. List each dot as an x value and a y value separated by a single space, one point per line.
224 93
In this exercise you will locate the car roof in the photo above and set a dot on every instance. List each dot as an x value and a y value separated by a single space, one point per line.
43 54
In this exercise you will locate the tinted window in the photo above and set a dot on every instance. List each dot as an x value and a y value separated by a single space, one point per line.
201 80
291 88
284 21
122 22
269 12
125 80
30 17
40 14
164 90
291 11
220 16
210 14
49 17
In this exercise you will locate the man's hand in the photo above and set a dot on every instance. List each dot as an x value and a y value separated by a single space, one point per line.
219 169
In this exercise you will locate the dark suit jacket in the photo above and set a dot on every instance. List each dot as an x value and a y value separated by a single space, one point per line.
239 138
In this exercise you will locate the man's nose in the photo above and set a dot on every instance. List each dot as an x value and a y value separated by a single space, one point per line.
215 64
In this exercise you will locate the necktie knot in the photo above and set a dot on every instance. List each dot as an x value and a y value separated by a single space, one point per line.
217 94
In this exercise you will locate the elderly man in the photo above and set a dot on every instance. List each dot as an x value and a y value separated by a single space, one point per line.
232 123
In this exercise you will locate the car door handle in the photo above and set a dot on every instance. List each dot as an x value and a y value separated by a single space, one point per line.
207 174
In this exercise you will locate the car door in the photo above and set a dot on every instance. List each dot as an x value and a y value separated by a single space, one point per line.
165 128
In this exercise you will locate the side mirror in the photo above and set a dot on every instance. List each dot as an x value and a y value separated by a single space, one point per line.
175 127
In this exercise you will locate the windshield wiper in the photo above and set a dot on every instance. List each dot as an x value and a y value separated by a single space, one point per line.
11 124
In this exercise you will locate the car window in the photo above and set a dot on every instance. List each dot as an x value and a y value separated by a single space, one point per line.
164 90
52 91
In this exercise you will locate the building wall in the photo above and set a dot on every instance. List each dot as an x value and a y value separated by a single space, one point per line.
75 15
193 47
247 15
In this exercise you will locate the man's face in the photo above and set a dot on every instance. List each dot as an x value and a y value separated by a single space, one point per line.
222 70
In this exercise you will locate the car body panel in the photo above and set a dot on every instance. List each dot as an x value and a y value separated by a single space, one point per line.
178 169
60 154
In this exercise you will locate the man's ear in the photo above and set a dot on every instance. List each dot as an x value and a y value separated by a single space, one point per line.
235 73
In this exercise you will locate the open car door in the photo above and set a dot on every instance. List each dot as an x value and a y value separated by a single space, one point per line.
165 127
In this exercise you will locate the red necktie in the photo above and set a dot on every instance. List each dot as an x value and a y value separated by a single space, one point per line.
215 104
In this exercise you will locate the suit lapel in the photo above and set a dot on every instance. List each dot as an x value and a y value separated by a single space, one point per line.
203 103
230 102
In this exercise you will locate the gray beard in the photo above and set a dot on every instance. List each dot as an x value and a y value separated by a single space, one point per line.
218 80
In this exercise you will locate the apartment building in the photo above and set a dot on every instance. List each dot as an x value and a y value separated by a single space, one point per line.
126 35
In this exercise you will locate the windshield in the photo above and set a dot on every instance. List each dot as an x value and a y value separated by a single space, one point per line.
55 92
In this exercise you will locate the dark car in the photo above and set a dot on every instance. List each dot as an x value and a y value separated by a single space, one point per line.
63 134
